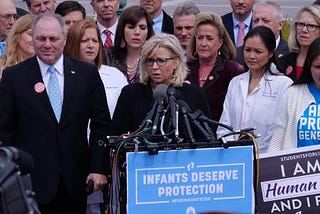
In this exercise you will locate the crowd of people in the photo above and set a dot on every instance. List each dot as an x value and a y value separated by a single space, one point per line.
68 81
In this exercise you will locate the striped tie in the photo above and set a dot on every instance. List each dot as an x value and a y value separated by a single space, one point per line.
241 33
54 93
108 42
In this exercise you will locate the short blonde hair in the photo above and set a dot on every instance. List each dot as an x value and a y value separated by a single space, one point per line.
314 10
227 49
171 43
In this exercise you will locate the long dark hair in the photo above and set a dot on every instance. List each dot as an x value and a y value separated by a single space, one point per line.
132 15
269 41
313 52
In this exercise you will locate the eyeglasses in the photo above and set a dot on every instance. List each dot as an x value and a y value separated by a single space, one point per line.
160 61
7 17
310 27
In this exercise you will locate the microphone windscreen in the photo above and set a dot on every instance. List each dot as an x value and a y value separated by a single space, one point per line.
184 106
171 91
160 91
23 159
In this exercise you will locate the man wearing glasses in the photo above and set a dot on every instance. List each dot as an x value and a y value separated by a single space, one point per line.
8 15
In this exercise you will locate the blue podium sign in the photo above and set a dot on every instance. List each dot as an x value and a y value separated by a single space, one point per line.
190 181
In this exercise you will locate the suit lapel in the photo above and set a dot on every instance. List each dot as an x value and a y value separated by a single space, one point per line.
33 73
69 76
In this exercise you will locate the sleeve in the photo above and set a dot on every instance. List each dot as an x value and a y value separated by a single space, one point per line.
7 109
281 123
99 125
225 116
122 116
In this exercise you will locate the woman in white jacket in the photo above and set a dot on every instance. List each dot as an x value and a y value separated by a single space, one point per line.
298 114
252 97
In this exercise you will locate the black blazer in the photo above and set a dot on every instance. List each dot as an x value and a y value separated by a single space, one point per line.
136 100
228 24
167 23
61 149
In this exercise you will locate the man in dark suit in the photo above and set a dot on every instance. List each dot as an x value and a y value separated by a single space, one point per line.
241 13
54 129
162 22
268 14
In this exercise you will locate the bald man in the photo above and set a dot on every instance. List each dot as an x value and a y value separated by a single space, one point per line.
8 15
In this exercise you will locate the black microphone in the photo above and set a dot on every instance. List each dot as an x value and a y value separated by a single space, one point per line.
160 94
173 108
185 109
206 130
23 159
202 117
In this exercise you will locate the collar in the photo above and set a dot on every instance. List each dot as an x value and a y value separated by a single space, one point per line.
112 28
44 67
277 41
158 18
247 21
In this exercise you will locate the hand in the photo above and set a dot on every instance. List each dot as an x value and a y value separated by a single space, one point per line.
99 180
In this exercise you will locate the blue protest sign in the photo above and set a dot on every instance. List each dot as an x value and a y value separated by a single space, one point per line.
190 181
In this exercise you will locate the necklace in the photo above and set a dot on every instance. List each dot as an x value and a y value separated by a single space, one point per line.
132 68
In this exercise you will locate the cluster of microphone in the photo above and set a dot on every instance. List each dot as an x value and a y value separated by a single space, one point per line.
168 112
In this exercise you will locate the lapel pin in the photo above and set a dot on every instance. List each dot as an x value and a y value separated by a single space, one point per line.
72 72
39 87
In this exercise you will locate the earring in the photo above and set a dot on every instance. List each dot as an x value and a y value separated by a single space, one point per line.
122 43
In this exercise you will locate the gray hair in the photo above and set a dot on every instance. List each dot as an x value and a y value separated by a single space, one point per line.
49 15
274 4
186 8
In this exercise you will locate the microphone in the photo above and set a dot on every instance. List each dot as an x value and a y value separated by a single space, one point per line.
23 159
171 91
185 109
202 117
161 96
207 132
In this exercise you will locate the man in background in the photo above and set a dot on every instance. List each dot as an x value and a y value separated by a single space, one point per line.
107 19
268 14
162 22
8 16
184 17
40 6
71 12
238 22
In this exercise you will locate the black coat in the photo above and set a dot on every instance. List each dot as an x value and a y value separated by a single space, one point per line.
136 100
27 121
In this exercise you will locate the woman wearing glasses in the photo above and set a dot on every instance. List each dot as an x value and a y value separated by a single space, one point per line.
162 62
304 29
210 54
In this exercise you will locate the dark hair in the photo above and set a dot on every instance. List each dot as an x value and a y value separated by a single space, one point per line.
313 52
132 15
269 41
66 7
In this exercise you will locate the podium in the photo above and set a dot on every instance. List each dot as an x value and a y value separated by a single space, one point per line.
190 181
